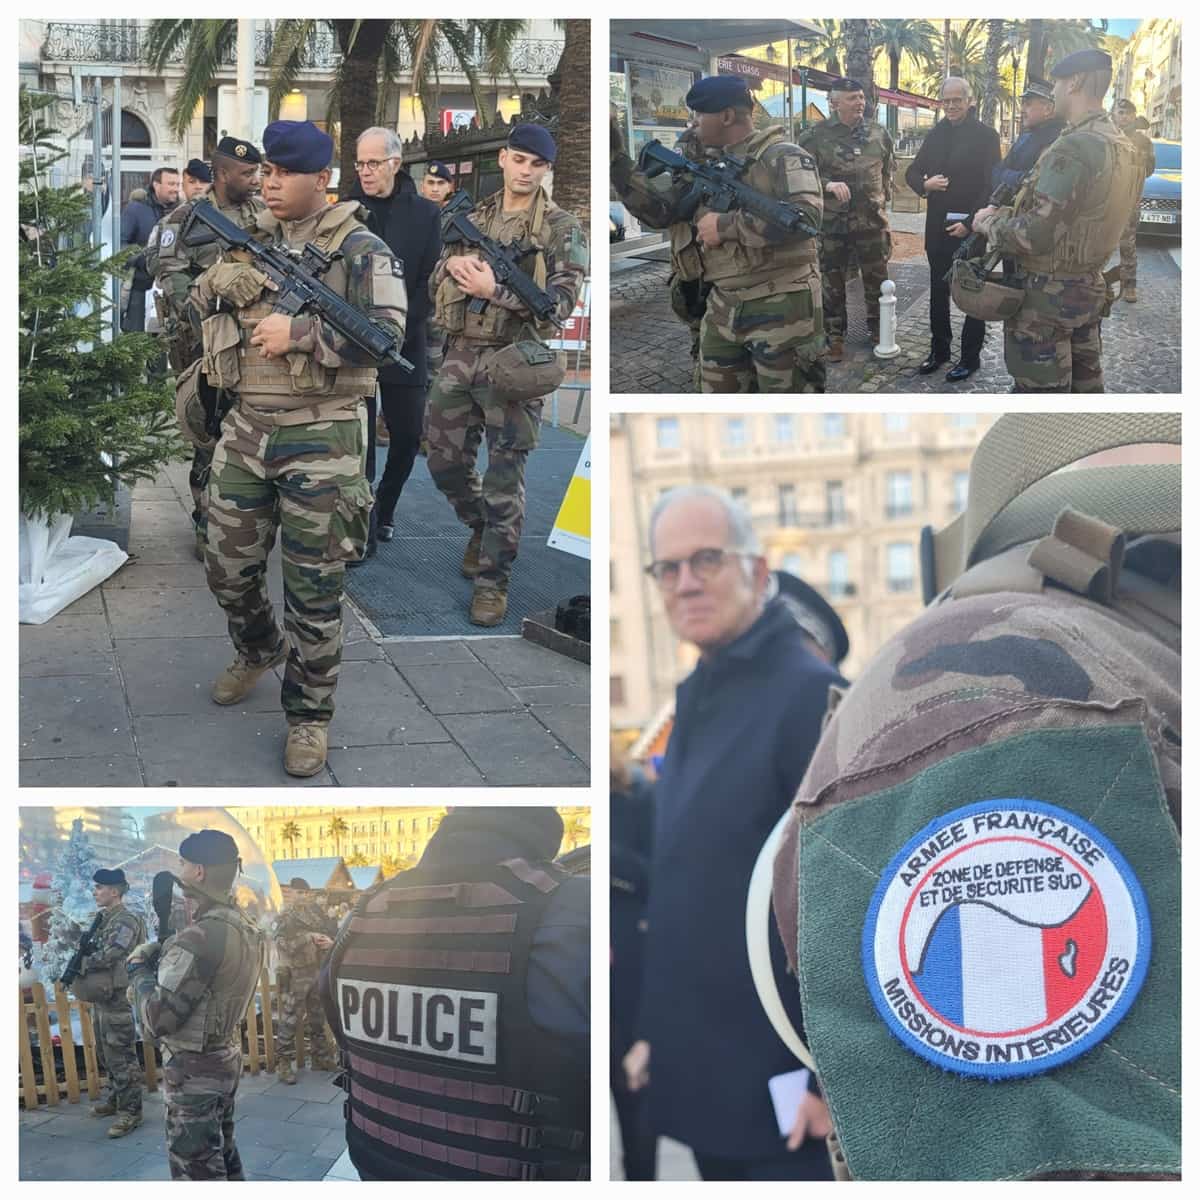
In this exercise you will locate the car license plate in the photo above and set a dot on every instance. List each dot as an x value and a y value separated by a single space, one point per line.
1161 218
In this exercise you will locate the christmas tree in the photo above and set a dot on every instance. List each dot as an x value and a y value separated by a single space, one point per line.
89 420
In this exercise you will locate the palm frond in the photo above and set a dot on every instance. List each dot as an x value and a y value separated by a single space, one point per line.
163 39
208 42
422 43
287 55
461 44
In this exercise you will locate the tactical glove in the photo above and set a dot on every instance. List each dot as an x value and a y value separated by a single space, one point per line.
239 283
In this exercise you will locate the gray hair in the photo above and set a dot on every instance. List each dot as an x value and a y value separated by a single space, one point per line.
741 527
958 79
392 145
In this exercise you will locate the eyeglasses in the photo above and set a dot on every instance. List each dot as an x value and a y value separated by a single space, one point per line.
704 564
373 164
954 101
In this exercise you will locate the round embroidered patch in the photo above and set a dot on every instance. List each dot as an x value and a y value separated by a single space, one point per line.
168 238
1005 939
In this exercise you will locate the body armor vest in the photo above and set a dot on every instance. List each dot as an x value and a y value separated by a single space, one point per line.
99 984
749 271
1096 230
216 1021
447 1075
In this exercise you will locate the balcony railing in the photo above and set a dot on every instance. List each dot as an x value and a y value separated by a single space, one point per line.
894 512
799 519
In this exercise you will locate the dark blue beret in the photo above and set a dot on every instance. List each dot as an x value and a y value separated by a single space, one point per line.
297 145
439 170
239 149
111 878
209 847
719 92
198 169
299 884
1079 62
814 615
533 139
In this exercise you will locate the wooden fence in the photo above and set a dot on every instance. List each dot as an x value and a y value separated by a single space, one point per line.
63 1078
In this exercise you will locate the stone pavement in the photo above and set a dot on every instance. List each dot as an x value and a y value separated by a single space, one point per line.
114 691
651 348
283 1133
674 1162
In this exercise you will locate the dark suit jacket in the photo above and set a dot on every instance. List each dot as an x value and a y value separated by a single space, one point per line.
965 154
138 219
746 722
1025 152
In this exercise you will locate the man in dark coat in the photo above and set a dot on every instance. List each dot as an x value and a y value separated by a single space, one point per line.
409 224
1039 128
746 721
953 171
137 223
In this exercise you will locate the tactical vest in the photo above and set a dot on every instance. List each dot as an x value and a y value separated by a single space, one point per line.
100 984
447 1075
216 1020
1045 678
497 326
748 271
298 923
1096 230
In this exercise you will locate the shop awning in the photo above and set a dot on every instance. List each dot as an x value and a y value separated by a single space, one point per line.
718 37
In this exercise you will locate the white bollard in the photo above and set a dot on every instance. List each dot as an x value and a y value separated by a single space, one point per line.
887 347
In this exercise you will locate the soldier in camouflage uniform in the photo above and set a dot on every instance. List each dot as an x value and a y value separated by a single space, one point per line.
290 454
1066 222
191 994
857 165
464 405
102 980
176 266
1125 117
303 937
761 329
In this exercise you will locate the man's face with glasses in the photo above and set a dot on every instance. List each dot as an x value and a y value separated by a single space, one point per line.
712 592
956 100
376 169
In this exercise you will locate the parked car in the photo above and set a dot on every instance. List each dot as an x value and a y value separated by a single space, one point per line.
1162 193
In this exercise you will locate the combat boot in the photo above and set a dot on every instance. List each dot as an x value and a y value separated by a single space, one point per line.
105 1108
1129 295
834 353
307 746
127 1122
488 605
470 562
285 1069
237 681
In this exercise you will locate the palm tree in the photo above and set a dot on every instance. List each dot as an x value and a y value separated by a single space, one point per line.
1035 60
860 55
824 50
996 32
572 189
357 860
961 54
290 832
338 830
897 38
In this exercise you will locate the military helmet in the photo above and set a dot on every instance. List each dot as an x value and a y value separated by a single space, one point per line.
980 292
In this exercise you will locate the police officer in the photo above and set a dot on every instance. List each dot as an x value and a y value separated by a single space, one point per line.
1126 119
191 993
470 397
437 184
1067 221
290 454
823 630
197 179
761 329
458 992
176 267
303 936
1040 127
102 980
857 164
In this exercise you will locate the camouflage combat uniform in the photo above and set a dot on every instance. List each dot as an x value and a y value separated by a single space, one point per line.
761 329
1129 233
175 267
463 405
1067 221
861 157
290 456
194 1004
298 998
104 980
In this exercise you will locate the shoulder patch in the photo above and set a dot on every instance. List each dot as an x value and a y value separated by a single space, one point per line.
124 936
168 238
175 967
1005 939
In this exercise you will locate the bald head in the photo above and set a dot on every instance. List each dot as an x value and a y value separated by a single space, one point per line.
956 98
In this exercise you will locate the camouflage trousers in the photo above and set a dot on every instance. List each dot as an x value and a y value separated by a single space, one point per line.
1053 343
308 482
872 247
299 1002
199 1090
1129 248
116 1047
198 478
463 406
772 344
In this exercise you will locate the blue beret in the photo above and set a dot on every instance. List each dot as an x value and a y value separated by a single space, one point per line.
297 145
814 615
439 170
111 878
1079 62
210 847
239 149
198 169
719 92
533 139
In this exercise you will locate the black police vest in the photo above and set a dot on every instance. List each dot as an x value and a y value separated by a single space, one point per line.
447 1077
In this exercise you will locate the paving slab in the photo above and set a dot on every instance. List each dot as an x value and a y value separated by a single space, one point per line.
375 707
115 771
160 548
257 1157
315 1087
169 613
439 764
519 663
460 688
88 605
512 749
148 1167
543 695
270 1132
428 652
300 1164
571 725
326 1116
157 576
73 716
67 645
333 1141
44 1158
274 1108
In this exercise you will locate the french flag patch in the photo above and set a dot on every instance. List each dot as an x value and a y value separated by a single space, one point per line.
1005 939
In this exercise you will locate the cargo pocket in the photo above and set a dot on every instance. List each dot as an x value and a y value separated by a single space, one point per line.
522 425
308 377
349 522
222 338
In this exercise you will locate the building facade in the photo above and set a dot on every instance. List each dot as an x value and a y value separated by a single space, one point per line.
1150 73
113 833
838 499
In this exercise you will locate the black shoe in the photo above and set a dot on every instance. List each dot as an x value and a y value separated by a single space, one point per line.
386 533
368 552
932 363
961 371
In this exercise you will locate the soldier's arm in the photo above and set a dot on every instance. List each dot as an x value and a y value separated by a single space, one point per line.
166 998
1042 220
170 266
566 268
375 286
795 180
655 202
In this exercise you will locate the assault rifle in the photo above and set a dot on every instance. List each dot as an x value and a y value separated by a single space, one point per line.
297 276
459 202
86 946
718 185
458 228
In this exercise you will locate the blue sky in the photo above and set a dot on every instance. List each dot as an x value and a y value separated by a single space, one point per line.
1124 27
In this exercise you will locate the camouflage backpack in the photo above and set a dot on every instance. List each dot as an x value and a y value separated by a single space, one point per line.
979 881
